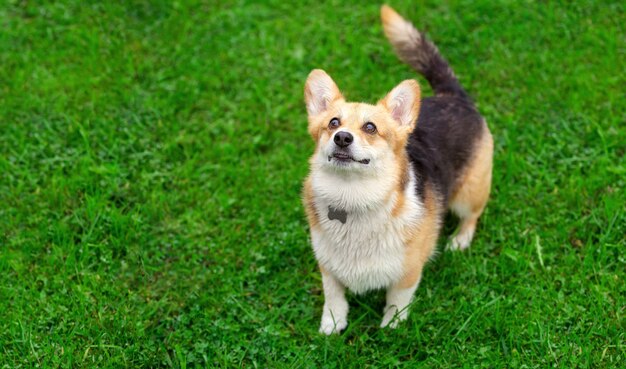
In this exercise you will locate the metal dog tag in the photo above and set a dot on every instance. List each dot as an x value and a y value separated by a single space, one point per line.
340 215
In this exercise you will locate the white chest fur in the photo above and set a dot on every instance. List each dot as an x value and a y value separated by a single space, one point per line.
368 251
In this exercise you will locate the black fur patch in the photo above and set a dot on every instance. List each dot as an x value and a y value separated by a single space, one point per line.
443 141
448 125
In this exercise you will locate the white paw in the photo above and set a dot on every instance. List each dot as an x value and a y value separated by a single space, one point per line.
392 318
460 242
330 325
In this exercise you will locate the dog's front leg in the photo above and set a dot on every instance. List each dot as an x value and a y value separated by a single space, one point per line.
418 251
335 314
400 295
398 300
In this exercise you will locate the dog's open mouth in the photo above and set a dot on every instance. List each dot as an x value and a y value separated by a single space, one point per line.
344 158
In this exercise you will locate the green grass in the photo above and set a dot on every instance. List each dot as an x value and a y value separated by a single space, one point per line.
152 155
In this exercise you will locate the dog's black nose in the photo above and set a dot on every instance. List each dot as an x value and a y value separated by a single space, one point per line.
343 139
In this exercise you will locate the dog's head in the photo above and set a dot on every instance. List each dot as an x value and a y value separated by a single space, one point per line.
359 137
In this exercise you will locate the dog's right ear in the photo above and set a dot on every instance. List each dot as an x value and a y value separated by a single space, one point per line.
319 92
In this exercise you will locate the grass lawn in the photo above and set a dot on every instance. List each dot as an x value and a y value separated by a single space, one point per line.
151 161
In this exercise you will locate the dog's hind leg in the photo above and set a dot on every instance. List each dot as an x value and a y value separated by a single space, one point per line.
470 198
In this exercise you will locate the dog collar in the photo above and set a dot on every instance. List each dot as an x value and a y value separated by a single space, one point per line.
336 214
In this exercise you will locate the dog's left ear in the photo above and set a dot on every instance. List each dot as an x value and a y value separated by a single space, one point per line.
319 92
403 102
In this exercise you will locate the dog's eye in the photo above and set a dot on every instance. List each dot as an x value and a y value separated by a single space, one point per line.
369 127
334 123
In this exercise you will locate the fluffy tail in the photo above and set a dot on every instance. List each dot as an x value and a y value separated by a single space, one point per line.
414 49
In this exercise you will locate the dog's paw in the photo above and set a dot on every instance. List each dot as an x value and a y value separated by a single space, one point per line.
330 326
460 242
389 322
392 318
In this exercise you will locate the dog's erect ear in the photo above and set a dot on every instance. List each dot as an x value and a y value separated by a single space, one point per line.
319 92
403 102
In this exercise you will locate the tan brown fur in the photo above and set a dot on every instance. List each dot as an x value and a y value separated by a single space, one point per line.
422 240
403 166
398 207
472 191
403 173
307 199
474 185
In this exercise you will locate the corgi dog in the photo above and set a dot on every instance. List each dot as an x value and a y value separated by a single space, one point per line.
383 176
